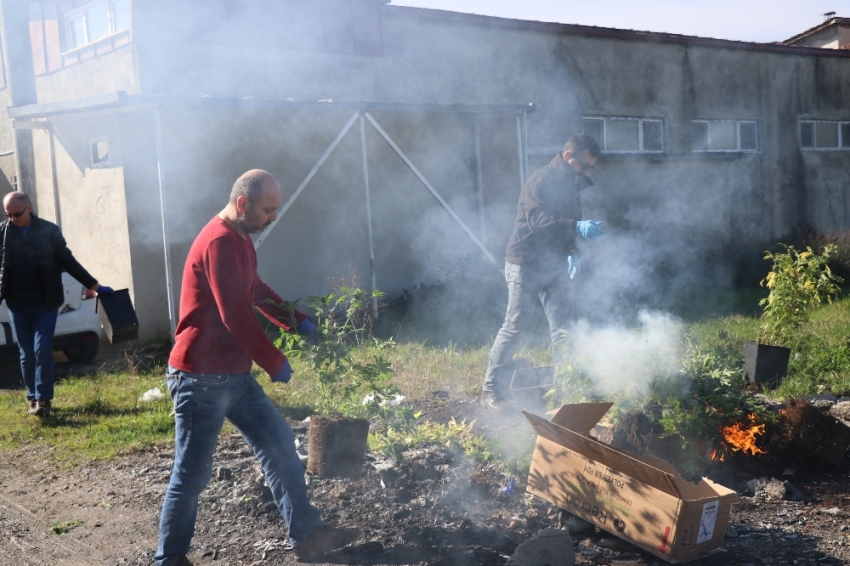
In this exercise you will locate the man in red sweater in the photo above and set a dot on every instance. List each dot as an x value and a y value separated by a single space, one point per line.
209 376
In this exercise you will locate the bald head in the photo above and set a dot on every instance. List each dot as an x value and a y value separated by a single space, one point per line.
16 198
251 185
254 201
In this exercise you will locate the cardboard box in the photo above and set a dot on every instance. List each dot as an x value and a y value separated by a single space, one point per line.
643 499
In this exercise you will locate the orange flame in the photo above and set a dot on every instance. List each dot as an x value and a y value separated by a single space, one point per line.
716 455
742 437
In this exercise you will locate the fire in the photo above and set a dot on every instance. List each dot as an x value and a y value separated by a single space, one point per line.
742 437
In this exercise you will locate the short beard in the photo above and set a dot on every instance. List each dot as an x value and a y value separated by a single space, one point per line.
244 223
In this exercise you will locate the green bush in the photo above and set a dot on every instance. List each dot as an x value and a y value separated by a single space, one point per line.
797 282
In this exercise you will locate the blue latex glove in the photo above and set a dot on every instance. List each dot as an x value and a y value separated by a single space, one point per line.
308 328
104 290
573 265
589 229
285 374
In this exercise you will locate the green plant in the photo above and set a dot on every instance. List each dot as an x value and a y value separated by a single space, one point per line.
345 387
706 395
62 528
797 282
454 434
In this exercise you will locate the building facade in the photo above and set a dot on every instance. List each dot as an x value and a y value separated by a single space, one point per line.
132 120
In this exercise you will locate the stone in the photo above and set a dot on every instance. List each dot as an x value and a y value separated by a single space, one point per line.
575 525
793 494
775 489
841 410
550 546
821 401
755 485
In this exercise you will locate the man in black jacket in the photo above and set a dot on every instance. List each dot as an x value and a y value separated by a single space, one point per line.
541 257
33 255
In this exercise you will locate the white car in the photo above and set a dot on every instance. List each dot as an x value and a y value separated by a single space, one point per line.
77 326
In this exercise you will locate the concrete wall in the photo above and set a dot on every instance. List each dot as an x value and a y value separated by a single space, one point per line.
7 144
91 203
106 73
324 234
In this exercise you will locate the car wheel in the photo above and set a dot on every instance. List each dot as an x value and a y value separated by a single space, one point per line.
82 353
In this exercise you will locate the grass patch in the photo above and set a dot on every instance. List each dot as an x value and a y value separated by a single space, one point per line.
100 416
62 528
94 417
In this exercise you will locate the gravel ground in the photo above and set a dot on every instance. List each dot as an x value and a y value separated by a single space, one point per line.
435 507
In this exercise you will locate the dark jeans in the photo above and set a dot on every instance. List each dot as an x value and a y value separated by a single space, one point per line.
524 290
201 403
34 328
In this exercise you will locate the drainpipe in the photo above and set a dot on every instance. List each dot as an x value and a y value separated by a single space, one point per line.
17 47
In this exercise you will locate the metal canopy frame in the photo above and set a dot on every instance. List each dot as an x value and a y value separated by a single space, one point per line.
26 116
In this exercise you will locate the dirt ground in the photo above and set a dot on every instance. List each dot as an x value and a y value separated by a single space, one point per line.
435 507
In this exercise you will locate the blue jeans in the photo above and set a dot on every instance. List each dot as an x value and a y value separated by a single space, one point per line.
525 288
201 403
34 328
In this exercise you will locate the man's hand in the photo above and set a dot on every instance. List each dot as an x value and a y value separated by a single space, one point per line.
104 290
589 229
284 375
573 265
308 328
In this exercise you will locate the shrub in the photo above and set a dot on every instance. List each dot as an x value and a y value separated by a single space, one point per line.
797 282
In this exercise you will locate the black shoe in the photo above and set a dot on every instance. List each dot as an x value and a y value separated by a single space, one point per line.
42 408
493 402
32 406
325 539
183 562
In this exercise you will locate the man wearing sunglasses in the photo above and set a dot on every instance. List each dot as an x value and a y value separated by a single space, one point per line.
33 255
541 259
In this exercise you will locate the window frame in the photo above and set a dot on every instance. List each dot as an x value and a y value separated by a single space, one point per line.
603 143
100 164
738 149
843 145
81 11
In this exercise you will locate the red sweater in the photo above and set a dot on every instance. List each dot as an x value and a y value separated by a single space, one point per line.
218 331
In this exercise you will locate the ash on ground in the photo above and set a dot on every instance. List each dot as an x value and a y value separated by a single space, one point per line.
433 506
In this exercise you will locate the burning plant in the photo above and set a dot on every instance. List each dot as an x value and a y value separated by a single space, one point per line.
741 436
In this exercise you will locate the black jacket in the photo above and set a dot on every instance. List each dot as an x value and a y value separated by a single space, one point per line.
548 209
45 243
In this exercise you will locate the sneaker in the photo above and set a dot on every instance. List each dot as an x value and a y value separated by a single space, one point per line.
32 406
493 402
325 539
42 408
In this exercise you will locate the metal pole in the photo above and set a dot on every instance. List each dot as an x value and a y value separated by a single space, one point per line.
264 234
519 151
432 190
479 180
524 146
368 214
51 151
169 281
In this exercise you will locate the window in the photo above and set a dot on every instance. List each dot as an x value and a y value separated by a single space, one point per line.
626 135
724 135
99 152
824 135
94 21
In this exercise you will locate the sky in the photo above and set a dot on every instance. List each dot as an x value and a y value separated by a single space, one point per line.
744 20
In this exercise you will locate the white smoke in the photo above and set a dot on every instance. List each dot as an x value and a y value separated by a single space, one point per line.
626 359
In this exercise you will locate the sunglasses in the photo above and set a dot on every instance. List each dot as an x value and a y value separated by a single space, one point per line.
586 167
16 214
